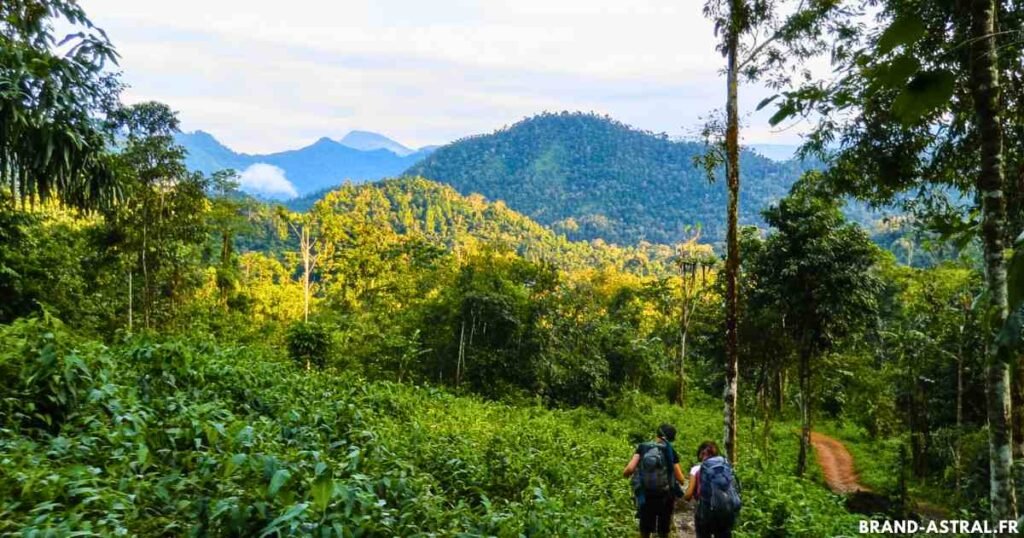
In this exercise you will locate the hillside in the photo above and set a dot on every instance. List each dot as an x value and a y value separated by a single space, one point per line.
323 164
418 207
591 176
182 436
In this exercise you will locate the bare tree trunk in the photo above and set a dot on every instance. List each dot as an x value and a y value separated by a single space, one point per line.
681 388
462 351
985 92
805 412
131 291
304 244
780 389
732 262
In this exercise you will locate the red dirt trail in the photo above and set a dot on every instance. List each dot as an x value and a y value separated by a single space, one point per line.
836 464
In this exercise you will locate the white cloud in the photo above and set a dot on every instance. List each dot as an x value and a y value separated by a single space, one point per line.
267 180
263 79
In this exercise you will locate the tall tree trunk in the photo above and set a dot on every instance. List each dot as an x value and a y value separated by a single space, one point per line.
780 389
131 304
984 84
805 412
304 244
681 382
918 428
732 261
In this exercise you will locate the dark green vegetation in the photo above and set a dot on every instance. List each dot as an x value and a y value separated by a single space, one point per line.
180 436
588 176
402 360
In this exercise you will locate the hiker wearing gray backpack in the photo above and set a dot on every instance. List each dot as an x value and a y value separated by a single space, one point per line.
656 476
717 491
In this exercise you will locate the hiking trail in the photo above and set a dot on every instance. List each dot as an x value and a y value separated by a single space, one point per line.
683 516
836 464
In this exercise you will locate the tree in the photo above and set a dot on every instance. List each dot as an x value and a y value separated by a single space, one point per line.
815 269
916 108
161 223
985 91
51 93
755 41
695 263
305 227
227 221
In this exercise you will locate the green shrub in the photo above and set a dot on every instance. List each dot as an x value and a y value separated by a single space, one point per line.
310 344
44 374
184 438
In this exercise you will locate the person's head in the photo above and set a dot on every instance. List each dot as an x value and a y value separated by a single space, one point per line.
707 449
667 432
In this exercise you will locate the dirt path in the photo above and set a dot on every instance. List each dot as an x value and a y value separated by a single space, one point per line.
836 464
683 517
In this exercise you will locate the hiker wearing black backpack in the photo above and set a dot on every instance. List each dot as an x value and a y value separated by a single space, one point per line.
714 485
656 476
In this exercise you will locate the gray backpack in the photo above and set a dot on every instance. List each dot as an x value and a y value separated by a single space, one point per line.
654 473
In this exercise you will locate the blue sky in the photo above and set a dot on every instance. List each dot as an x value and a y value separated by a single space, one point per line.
271 75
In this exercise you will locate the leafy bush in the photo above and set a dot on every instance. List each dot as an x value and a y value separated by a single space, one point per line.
309 344
44 375
183 437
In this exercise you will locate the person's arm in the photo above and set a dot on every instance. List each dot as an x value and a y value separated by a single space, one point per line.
691 488
679 474
631 466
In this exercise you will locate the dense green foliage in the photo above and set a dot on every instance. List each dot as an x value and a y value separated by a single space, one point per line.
400 359
183 437
588 176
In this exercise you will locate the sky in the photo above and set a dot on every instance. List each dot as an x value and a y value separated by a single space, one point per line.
266 76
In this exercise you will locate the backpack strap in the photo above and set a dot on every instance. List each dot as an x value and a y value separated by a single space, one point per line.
674 486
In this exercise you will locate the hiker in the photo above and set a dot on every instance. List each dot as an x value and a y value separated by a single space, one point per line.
714 485
656 476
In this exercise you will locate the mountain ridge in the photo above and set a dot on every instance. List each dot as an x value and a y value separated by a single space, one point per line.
590 177
323 164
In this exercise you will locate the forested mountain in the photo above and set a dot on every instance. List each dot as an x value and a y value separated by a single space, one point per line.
416 207
589 176
399 358
323 164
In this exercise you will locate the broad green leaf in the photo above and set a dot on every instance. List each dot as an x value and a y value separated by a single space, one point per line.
785 111
903 31
927 92
322 490
896 72
767 101
278 523
142 455
278 480
233 463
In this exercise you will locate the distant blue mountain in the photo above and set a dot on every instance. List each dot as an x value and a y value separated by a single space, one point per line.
325 163
367 141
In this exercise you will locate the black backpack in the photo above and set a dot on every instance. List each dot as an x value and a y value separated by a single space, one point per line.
719 498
